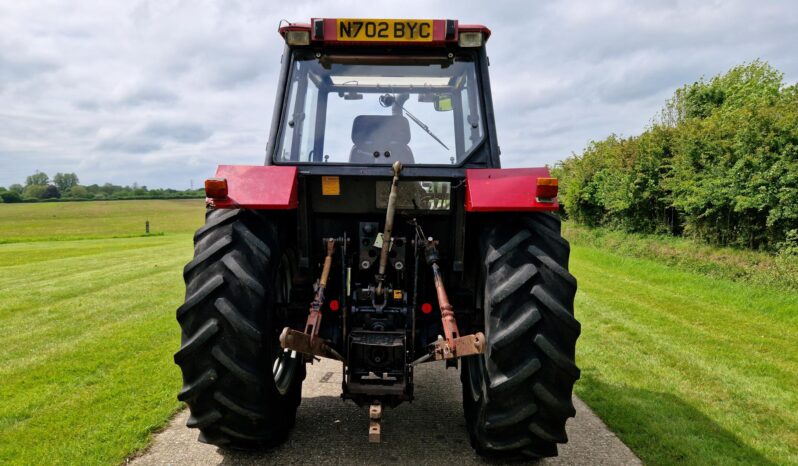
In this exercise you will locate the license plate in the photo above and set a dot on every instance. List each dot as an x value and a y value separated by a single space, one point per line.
385 30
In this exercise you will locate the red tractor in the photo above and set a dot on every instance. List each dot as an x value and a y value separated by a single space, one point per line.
381 233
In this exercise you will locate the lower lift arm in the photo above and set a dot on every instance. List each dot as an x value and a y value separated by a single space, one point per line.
309 342
452 346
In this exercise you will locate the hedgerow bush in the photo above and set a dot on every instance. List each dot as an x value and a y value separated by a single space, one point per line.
719 163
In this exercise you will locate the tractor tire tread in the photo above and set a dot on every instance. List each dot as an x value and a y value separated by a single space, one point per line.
520 396
225 348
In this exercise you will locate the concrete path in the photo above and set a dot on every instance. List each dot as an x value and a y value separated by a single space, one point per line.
330 431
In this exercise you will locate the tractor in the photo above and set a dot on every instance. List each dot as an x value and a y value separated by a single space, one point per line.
383 233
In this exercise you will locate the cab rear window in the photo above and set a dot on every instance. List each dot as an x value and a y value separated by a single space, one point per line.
372 110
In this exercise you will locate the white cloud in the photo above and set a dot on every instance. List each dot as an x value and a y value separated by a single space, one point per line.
161 92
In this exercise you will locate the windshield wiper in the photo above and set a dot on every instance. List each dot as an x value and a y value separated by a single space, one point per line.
423 126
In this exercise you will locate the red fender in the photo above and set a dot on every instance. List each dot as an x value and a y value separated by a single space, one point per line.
259 187
506 190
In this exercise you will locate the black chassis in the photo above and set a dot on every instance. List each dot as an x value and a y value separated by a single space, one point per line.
359 324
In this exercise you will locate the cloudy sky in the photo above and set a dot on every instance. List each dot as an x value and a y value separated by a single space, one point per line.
160 92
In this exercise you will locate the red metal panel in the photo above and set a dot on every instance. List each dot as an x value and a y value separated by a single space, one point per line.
259 187
505 190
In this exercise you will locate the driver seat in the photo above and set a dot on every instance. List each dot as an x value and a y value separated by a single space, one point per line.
381 134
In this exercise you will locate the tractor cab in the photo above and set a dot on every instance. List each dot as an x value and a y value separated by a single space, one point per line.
373 92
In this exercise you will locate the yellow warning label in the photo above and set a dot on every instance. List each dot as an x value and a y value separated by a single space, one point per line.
397 294
330 186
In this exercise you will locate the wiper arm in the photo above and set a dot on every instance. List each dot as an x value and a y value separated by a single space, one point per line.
423 126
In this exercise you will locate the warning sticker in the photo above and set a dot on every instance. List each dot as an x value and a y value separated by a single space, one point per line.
330 186
378 241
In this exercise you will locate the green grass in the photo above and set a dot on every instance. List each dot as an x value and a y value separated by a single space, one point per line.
89 329
778 271
686 368
52 221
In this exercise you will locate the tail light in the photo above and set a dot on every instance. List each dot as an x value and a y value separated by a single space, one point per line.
426 308
335 305
547 188
216 188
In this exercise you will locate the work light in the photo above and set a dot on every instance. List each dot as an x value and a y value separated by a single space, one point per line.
297 37
470 39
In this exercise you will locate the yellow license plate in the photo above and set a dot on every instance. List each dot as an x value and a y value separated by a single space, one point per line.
385 30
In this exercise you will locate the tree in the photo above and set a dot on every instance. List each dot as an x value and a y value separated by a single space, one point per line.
51 192
37 179
65 181
109 189
16 188
34 191
10 197
79 192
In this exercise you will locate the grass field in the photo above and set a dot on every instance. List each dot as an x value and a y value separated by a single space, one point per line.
88 328
686 368
50 221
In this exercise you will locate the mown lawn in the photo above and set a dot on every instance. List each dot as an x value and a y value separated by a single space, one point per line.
685 368
88 327
97 219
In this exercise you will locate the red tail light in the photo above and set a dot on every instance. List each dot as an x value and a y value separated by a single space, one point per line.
335 305
216 188
426 308
547 188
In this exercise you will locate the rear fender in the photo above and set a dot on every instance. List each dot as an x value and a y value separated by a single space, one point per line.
271 187
506 190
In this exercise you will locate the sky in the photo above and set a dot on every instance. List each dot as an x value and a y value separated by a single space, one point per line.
160 92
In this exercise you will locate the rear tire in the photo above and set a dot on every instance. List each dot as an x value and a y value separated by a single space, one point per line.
241 388
517 396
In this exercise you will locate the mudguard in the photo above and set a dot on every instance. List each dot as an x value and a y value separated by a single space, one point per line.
259 187
506 190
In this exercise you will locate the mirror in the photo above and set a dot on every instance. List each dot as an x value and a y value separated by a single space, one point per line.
443 103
